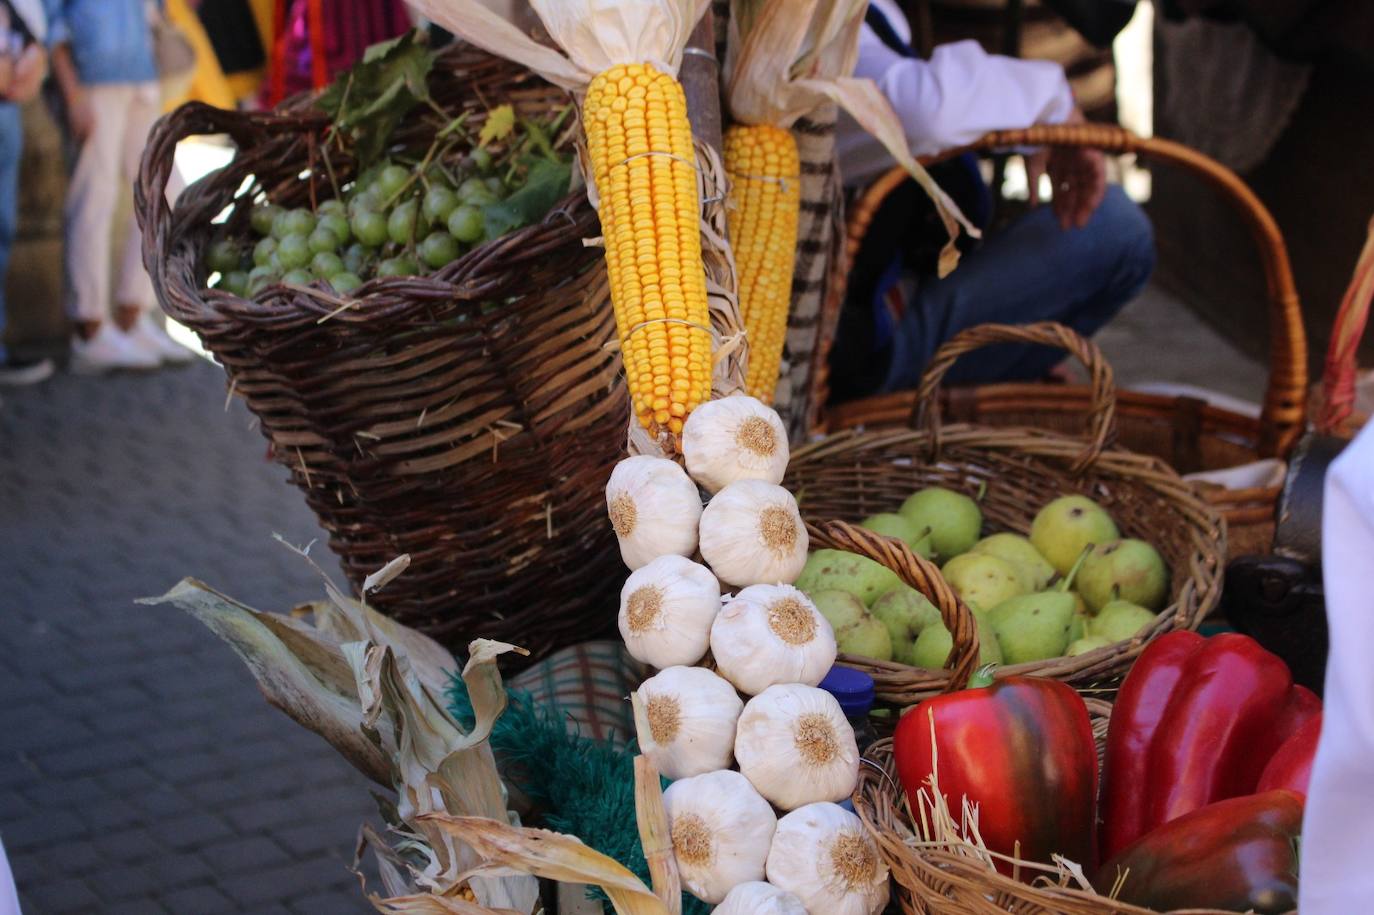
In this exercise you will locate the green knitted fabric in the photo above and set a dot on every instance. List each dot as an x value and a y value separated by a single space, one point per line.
584 787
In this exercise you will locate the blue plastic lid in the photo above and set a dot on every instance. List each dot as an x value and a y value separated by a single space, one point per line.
852 688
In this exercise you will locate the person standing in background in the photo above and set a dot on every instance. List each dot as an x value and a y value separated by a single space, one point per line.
106 72
23 64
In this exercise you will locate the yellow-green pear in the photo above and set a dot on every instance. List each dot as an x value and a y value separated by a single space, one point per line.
1079 627
1129 570
953 518
1086 644
1068 524
906 613
856 630
934 643
891 524
1120 620
836 570
1035 570
1033 627
982 580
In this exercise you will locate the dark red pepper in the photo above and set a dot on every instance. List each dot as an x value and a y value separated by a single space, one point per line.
1291 766
1022 750
1195 722
1239 854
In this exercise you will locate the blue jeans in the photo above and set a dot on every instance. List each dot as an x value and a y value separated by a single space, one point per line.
11 143
1030 271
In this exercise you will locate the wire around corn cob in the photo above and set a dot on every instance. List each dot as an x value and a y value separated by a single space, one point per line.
640 145
765 177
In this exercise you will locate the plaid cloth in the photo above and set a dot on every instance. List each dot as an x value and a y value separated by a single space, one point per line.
589 685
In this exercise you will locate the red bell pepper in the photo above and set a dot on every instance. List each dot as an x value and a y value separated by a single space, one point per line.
1194 723
1239 854
1021 749
1291 766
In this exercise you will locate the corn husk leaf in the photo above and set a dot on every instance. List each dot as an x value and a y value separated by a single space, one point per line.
655 834
553 856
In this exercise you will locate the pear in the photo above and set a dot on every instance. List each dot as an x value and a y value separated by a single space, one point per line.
1086 644
934 643
1120 620
953 518
983 581
1033 627
1129 570
1035 570
906 613
1078 628
856 630
1068 524
836 570
891 524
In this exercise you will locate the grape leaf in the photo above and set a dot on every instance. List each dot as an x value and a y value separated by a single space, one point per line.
500 122
369 99
546 184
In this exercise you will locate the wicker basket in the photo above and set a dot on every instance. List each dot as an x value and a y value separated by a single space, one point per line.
469 418
1187 433
853 474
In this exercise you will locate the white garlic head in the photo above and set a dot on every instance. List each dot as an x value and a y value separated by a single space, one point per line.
666 610
769 634
655 509
689 714
822 855
734 438
758 897
796 747
721 831
752 533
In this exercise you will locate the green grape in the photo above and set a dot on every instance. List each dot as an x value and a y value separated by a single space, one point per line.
235 281
355 257
259 278
331 208
263 251
439 202
262 217
294 252
298 277
404 225
495 186
223 256
365 200
390 181
395 266
370 227
481 159
325 264
343 281
475 192
336 223
299 221
323 239
439 249
465 224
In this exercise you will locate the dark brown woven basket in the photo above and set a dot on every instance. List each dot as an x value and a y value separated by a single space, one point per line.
469 418
1014 472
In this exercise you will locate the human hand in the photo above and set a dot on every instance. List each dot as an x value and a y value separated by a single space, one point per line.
29 71
80 113
1079 180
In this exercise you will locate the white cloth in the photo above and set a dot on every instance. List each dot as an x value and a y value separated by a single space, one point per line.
9 895
958 95
107 164
1338 825
34 16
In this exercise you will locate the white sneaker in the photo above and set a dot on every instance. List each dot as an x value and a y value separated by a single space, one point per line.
150 337
110 349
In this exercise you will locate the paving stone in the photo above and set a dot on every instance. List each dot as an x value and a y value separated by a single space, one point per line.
235 856
201 900
62 896
192 830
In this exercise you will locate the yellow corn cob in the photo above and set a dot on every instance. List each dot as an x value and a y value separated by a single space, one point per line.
641 152
765 178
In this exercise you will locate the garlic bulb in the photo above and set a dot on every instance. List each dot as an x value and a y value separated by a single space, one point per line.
655 509
752 533
690 715
734 438
822 855
666 609
795 746
759 898
769 634
721 831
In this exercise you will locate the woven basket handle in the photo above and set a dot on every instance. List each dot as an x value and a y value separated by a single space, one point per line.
1338 379
921 574
925 412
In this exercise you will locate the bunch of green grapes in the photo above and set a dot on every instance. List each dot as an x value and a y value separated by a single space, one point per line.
393 221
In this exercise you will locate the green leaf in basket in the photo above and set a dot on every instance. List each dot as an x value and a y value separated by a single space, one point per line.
369 99
546 184
500 122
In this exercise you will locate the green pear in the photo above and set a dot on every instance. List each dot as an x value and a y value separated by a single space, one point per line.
1068 524
1086 644
891 524
1129 570
1120 620
1033 627
836 570
1079 627
856 630
953 518
983 581
934 643
1035 570
906 613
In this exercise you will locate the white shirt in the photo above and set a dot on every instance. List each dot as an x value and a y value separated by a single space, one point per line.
958 95
35 19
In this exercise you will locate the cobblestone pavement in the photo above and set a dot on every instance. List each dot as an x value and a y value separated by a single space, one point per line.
140 771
